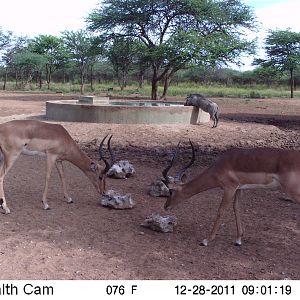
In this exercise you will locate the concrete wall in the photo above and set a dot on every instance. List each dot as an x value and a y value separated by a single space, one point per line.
71 111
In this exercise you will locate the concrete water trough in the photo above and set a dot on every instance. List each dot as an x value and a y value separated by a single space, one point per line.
102 110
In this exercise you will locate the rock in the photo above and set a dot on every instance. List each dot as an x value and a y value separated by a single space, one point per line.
121 170
158 189
160 223
113 199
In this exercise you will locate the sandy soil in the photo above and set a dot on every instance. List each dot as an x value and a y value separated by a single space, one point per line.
84 240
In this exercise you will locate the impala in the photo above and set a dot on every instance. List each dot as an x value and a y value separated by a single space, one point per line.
33 137
240 169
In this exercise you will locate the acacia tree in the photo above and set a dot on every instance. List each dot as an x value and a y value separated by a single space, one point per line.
282 53
26 63
122 54
16 45
54 51
81 48
177 32
6 40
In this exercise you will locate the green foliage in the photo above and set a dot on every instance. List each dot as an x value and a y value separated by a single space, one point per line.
82 50
122 54
29 60
283 49
283 53
52 48
5 38
177 33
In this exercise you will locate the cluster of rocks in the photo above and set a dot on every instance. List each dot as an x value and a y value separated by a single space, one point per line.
123 169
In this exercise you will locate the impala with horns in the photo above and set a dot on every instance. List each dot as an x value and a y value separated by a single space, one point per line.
240 169
159 188
33 137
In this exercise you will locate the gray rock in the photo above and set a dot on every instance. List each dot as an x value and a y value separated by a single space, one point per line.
158 189
160 223
113 199
121 170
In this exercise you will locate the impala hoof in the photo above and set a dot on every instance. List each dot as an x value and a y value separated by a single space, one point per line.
46 207
204 243
238 242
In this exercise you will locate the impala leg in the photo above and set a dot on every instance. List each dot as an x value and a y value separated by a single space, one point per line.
6 162
225 203
61 173
236 208
290 186
50 163
2 196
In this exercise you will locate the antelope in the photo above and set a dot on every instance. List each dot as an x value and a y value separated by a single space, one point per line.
237 170
33 137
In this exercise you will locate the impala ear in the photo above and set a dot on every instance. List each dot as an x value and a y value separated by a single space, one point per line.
183 178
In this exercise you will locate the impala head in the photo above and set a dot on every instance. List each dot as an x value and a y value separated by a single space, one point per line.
175 183
102 172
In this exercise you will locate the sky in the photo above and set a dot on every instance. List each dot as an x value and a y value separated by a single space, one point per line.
33 17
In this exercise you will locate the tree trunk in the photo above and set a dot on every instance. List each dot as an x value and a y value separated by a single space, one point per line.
48 75
82 78
154 88
40 80
141 79
154 91
292 83
5 79
16 77
167 81
92 78
124 80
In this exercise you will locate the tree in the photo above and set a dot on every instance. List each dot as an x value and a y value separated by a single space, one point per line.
16 45
54 51
26 63
282 53
5 38
177 32
267 75
82 49
121 54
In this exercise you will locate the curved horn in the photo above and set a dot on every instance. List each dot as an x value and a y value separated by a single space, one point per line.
112 156
107 165
180 173
169 166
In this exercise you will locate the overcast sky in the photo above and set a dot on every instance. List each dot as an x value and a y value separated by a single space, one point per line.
33 17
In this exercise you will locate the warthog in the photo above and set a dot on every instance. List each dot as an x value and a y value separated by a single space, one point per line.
205 104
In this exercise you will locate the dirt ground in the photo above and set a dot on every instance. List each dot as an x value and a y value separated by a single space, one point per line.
84 240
